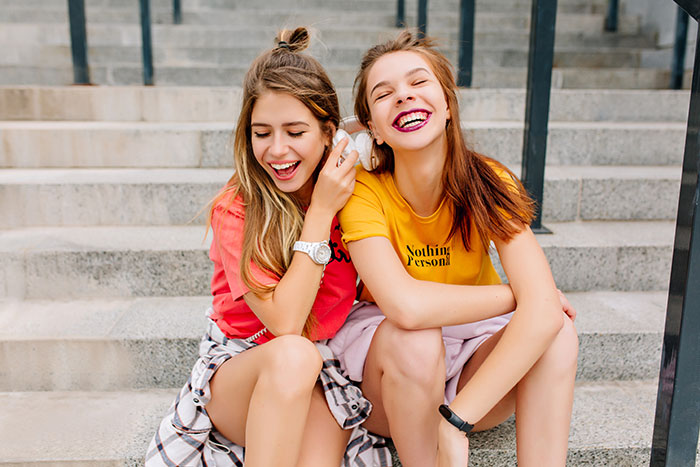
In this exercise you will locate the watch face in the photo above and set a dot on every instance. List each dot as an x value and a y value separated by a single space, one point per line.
323 254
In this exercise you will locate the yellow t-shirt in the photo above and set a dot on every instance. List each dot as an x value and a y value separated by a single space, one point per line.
376 208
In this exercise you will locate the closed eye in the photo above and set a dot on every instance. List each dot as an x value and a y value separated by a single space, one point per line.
296 134
381 96
261 135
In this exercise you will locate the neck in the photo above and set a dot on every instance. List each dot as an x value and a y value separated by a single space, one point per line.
418 176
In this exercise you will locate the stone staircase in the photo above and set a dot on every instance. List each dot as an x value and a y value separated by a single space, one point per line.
219 38
104 275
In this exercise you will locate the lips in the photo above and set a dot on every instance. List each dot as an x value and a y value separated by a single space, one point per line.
411 120
284 170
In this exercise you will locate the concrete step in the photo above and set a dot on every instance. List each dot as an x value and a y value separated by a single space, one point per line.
114 428
439 22
131 261
124 344
485 57
165 104
504 77
73 197
205 144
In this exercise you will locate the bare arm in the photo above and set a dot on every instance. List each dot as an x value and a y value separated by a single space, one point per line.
535 323
417 304
285 310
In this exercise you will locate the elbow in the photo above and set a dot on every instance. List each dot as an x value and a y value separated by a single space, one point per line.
403 315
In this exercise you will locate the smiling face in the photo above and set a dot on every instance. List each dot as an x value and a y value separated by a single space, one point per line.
406 102
288 142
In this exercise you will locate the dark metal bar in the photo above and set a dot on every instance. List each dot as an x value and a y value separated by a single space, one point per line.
539 80
422 18
400 14
177 12
691 6
146 46
679 45
78 41
467 11
611 17
677 422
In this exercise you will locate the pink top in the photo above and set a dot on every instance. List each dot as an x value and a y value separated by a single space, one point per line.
233 315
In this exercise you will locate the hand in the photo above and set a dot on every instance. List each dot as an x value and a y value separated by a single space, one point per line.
335 181
566 306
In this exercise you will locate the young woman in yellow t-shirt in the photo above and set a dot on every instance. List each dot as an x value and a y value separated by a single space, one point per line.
418 230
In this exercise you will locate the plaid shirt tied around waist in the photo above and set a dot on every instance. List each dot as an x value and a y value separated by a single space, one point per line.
186 437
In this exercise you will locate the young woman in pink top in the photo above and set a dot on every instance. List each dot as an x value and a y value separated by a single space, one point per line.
418 229
281 281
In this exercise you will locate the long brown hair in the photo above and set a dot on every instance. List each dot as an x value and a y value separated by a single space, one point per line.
274 219
498 208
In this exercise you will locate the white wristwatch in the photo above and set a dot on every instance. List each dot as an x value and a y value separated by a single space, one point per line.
319 252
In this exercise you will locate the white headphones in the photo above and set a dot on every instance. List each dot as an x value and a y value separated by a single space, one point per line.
359 141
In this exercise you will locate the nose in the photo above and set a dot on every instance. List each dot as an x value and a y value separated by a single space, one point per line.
404 94
278 148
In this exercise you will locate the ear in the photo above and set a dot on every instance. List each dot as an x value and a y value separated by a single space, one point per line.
376 136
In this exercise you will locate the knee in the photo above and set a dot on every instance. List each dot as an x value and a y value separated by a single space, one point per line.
563 352
417 355
292 365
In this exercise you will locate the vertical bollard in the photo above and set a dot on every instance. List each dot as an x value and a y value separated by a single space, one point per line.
467 11
146 47
539 81
678 61
676 424
422 18
78 41
400 14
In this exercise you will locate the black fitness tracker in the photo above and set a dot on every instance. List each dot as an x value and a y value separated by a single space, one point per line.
454 419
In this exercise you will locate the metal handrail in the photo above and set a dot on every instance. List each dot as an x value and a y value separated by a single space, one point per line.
465 61
78 41
400 14
539 83
146 43
422 18
611 17
676 424
679 45
79 45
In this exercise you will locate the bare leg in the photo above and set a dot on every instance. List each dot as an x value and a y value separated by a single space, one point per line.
404 378
324 441
260 399
542 401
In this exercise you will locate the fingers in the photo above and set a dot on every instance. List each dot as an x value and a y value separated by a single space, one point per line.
336 154
349 162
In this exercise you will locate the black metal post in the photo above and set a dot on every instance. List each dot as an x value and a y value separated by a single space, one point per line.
422 18
679 44
78 41
177 12
467 11
539 81
677 420
611 17
400 14
146 47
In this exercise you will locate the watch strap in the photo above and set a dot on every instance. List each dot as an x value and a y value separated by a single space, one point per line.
310 248
454 419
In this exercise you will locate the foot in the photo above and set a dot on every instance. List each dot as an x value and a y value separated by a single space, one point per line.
453 446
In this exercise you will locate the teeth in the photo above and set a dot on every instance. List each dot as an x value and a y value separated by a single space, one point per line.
282 166
414 118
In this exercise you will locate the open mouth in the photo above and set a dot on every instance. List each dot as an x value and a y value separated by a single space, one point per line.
411 120
285 170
